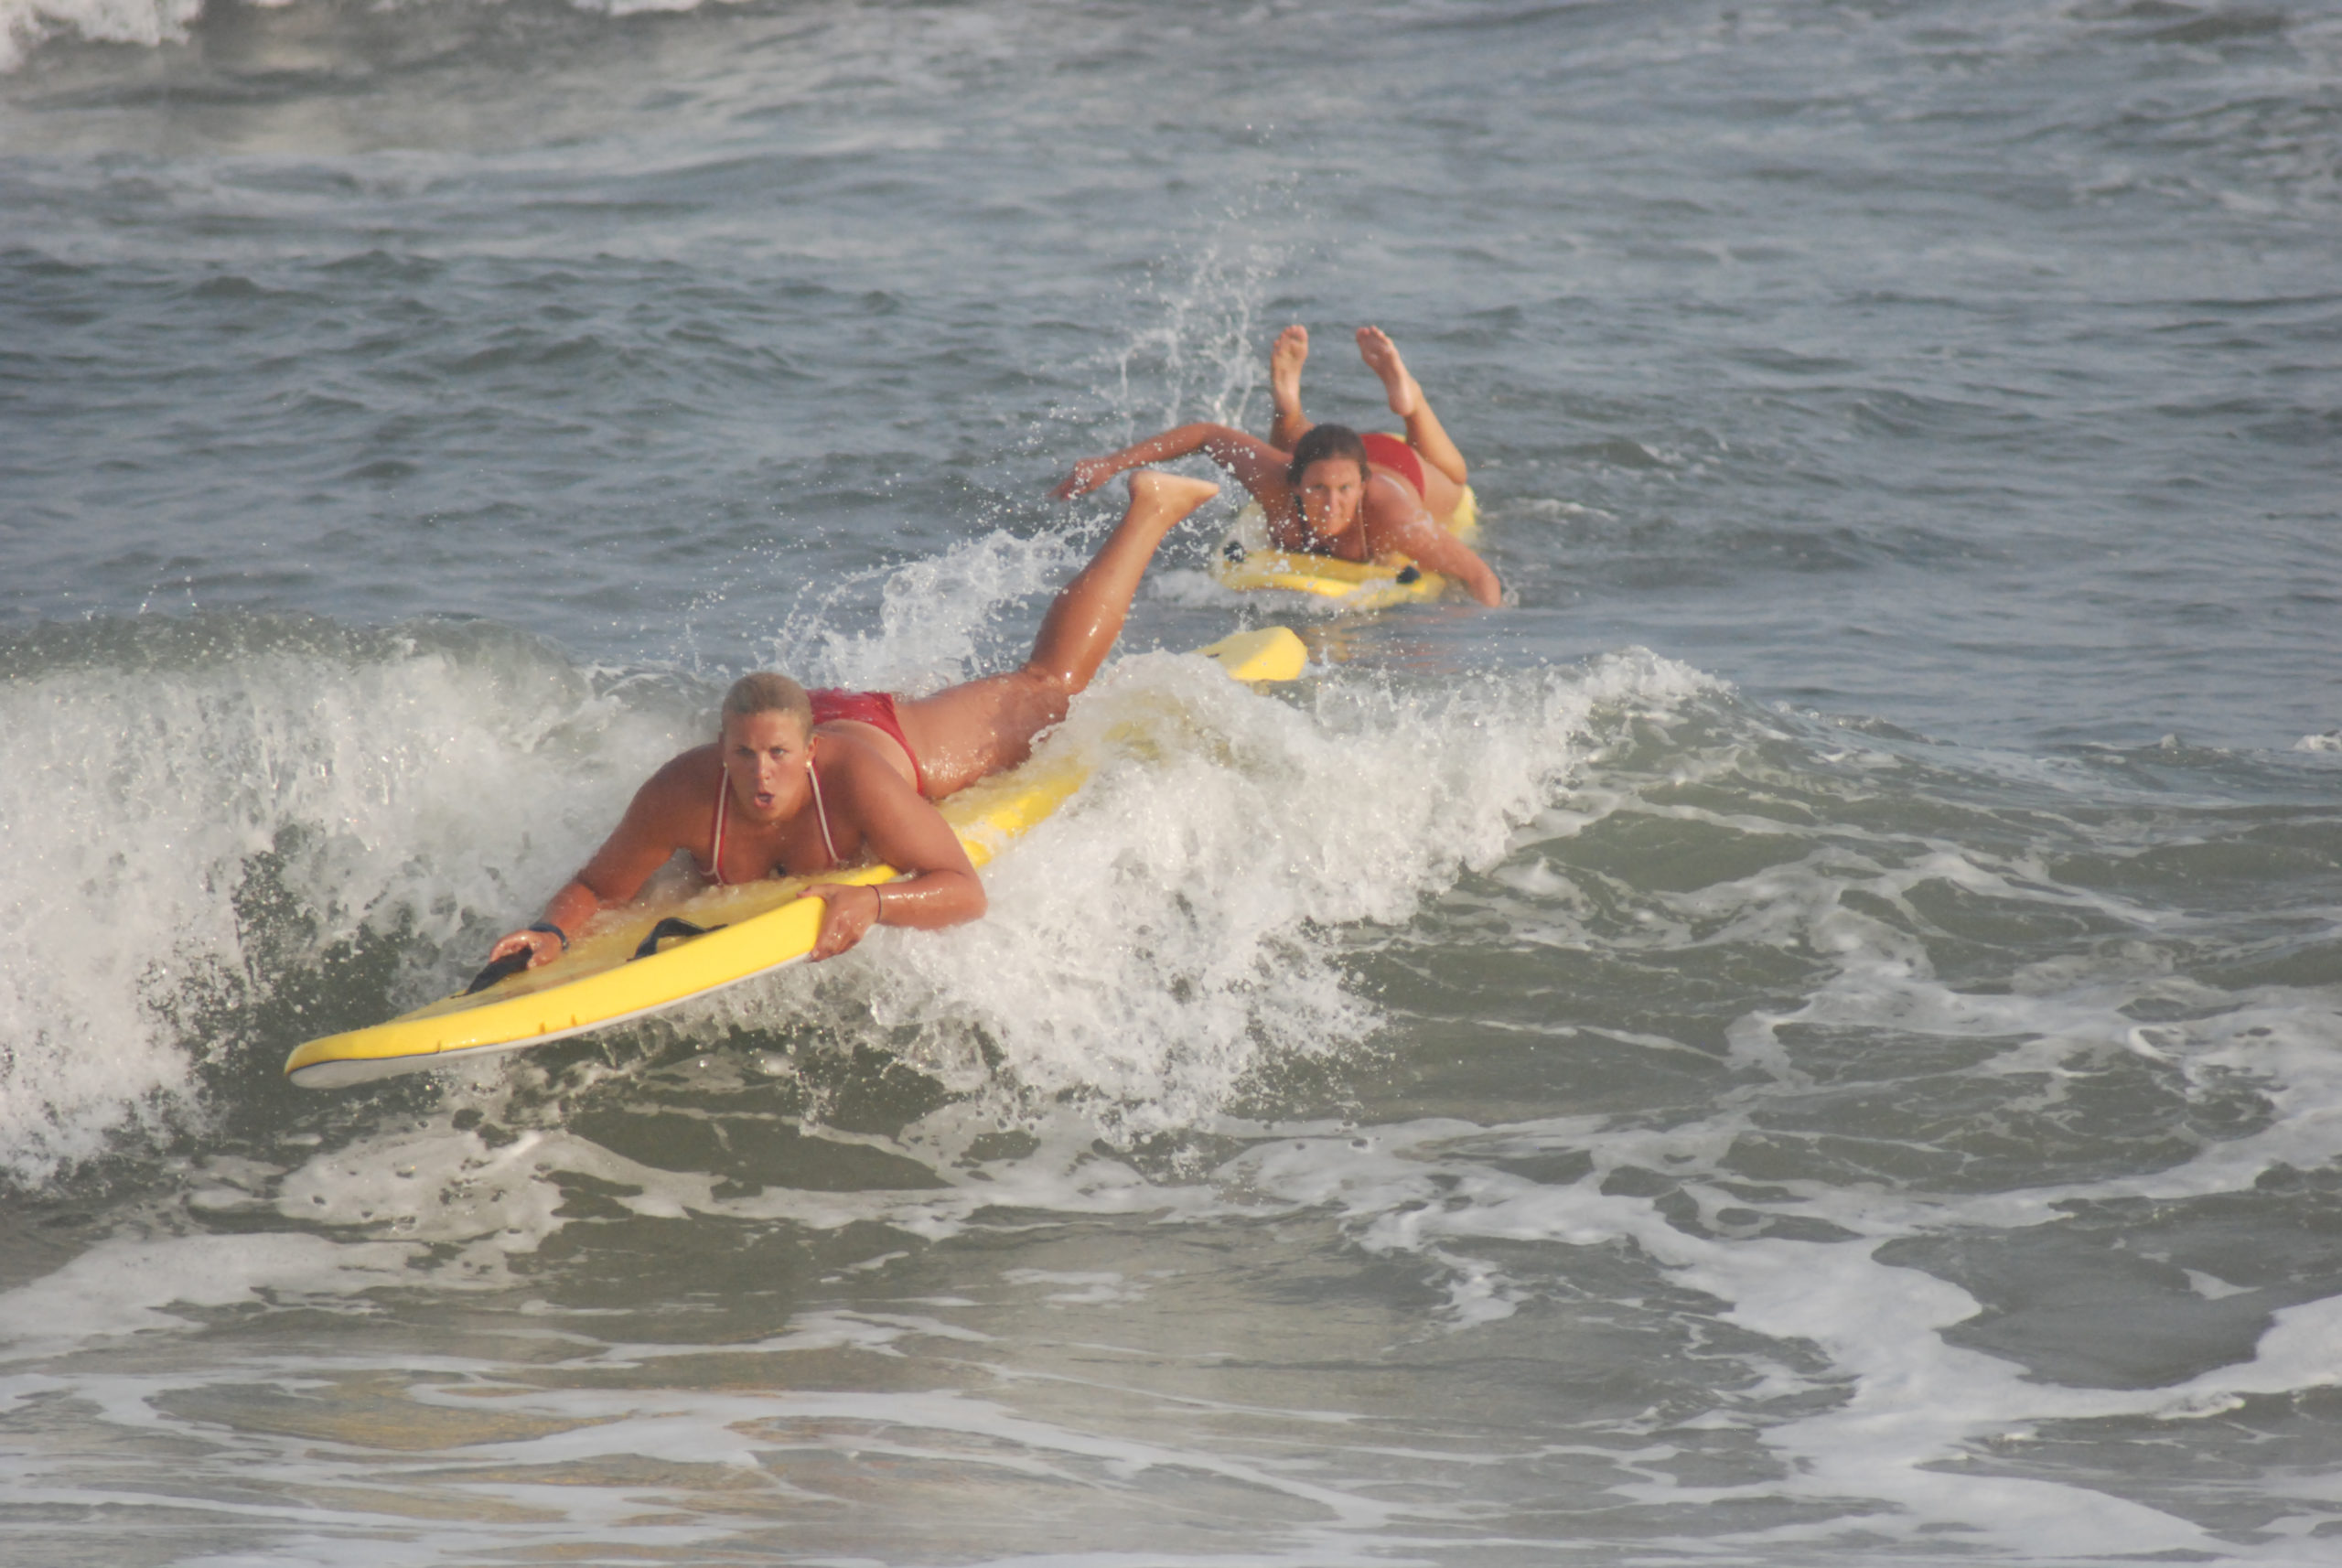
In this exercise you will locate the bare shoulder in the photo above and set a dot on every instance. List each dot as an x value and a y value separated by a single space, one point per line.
853 763
669 813
1390 499
683 784
897 823
1394 518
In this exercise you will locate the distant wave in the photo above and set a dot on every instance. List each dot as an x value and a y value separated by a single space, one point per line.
26 25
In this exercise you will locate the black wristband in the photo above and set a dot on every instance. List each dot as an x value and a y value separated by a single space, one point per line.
549 928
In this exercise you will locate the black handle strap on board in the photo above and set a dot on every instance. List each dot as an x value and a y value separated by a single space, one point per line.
673 925
513 963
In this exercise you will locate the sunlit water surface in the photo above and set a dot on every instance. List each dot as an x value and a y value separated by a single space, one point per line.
1809 1037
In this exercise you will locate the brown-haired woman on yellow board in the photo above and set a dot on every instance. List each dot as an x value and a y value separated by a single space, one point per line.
1326 489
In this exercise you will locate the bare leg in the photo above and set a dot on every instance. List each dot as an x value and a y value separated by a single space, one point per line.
965 732
1082 626
1424 432
1287 357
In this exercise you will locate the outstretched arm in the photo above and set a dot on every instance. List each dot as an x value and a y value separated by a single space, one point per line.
902 829
1254 464
642 842
1406 528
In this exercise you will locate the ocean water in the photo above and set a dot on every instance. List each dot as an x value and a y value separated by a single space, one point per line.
1813 1036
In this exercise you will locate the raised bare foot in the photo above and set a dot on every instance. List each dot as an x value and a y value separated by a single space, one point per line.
1287 357
1381 357
1174 493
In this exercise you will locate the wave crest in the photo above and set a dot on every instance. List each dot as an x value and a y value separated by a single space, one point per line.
26 24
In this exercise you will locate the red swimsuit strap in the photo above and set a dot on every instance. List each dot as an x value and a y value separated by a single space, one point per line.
714 867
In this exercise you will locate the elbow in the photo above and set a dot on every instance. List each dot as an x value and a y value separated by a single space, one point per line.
578 898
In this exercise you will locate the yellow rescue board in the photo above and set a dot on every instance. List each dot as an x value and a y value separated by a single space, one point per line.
1247 561
621 968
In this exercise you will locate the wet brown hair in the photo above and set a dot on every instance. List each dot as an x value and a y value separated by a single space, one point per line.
1320 442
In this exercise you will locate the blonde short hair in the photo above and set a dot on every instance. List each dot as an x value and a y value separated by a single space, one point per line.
766 693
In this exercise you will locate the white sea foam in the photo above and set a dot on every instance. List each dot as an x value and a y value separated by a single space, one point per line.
939 617
1920 1409
128 1285
25 23
379 781
1178 925
1917 1403
441 786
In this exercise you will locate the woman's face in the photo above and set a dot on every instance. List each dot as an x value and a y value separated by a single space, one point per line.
1330 491
764 759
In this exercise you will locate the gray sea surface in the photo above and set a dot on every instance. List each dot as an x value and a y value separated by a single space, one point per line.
1809 1036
